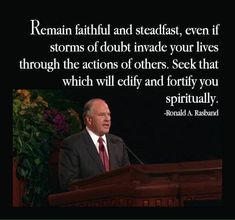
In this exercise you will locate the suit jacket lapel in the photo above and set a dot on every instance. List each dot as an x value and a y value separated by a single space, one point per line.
91 148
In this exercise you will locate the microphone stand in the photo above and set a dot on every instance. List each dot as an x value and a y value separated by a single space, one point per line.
133 154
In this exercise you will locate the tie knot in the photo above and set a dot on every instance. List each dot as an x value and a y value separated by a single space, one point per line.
101 145
100 140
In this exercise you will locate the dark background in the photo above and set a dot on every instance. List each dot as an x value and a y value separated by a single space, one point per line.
137 115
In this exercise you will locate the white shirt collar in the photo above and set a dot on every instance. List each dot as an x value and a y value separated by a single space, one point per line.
95 138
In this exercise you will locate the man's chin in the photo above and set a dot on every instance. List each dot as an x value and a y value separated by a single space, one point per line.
105 131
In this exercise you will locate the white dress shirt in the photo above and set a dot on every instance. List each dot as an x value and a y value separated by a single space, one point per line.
95 138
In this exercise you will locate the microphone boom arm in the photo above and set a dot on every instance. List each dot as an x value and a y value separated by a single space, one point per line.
133 154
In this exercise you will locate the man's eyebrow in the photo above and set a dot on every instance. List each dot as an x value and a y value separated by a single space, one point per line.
102 113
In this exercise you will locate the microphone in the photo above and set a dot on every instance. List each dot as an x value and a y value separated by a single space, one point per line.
132 153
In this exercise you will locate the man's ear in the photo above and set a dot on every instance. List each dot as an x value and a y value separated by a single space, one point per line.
88 120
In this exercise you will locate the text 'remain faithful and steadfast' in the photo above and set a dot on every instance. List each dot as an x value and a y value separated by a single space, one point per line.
102 29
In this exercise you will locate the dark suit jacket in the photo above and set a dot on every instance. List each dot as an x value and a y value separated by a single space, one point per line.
79 157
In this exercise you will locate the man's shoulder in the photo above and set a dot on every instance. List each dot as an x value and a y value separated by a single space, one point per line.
75 137
114 138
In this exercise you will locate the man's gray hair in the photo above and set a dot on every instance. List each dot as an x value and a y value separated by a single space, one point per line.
87 110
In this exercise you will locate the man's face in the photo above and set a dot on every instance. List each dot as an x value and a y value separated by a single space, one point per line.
100 119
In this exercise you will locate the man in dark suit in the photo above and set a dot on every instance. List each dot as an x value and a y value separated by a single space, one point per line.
93 151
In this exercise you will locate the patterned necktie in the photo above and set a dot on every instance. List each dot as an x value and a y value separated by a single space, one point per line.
103 154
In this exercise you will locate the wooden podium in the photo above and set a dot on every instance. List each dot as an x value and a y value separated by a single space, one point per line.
155 185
